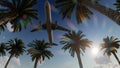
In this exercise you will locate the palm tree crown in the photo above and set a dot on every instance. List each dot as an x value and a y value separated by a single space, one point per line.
111 44
18 12
75 42
67 7
81 9
16 47
2 49
39 51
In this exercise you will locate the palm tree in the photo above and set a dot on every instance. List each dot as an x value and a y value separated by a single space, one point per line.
2 28
117 4
2 49
15 48
18 12
82 11
39 51
111 44
75 42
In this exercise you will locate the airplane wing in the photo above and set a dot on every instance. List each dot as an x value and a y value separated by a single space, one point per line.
36 29
57 27
40 27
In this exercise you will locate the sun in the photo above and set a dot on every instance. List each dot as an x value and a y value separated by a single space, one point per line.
95 50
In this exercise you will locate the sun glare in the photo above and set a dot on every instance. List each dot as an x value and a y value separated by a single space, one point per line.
95 50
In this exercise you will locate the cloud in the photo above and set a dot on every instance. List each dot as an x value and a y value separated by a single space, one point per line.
16 61
110 65
116 66
9 27
39 64
103 59
13 62
5 58
11 66
3 61
98 66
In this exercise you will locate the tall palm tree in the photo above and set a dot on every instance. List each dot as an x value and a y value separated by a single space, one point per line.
18 12
82 11
75 42
111 44
15 48
39 51
2 49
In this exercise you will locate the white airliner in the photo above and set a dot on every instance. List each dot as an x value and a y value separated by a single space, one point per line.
49 26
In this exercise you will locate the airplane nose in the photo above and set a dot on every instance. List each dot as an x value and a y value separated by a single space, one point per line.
47 4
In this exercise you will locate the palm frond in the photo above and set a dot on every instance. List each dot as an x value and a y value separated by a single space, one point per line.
16 47
75 41
18 10
39 50
69 8
111 44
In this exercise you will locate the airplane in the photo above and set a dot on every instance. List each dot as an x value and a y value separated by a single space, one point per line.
49 26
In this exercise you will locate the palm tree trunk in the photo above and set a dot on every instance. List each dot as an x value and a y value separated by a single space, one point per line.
79 59
8 61
36 61
116 57
110 13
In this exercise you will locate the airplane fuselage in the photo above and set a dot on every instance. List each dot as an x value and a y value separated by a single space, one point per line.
48 21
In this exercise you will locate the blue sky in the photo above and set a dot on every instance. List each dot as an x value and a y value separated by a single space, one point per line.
95 29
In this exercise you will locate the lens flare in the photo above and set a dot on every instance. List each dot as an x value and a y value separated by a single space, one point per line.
95 20
25 16
71 25
104 23
53 8
85 23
